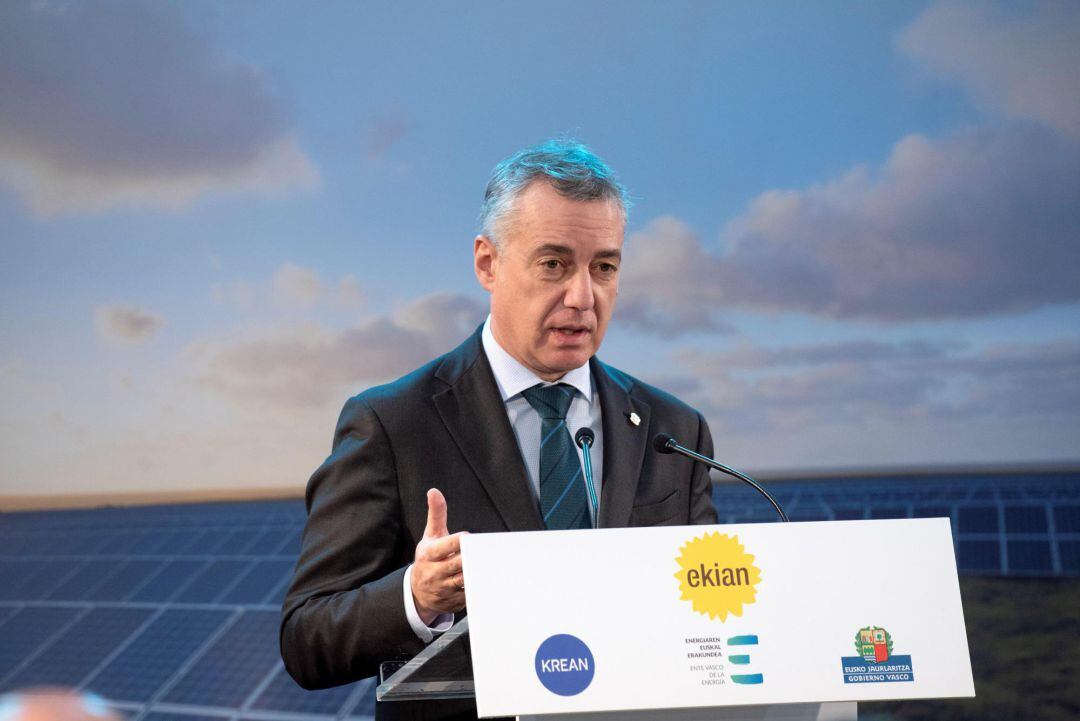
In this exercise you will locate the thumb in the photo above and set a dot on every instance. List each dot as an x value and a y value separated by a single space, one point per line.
436 514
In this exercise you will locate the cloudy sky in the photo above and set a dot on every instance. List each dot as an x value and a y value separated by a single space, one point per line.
855 241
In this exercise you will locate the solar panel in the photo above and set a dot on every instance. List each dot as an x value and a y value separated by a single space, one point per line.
366 706
74 543
282 694
212 582
291 546
129 576
1029 556
177 542
807 515
268 541
978 519
156 654
1069 552
161 716
931 512
14 543
1067 518
206 542
148 543
24 632
119 542
88 577
262 578
15 573
237 542
41 578
79 649
170 579
1025 519
888 512
979 556
234 665
191 663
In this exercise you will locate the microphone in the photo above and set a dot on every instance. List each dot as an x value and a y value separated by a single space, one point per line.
585 438
663 443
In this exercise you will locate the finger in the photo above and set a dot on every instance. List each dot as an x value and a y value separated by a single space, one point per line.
439 549
436 514
453 565
450 586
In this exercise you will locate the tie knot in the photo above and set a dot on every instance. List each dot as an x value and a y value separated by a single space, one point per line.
551 402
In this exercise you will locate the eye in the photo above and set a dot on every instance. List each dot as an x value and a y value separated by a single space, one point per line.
607 268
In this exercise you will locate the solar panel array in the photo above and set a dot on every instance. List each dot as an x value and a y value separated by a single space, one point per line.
1017 525
171 612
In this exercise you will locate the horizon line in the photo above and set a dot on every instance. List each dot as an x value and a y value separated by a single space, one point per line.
16 502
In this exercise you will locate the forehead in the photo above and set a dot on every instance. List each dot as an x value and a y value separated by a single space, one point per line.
542 215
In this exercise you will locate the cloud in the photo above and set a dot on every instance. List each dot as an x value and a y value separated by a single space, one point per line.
110 104
382 137
1018 65
126 324
297 286
293 287
667 285
861 351
980 223
349 292
240 293
308 366
805 386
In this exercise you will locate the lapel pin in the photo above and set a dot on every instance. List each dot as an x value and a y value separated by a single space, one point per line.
635 419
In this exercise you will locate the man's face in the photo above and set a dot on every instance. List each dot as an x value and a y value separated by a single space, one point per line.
554 281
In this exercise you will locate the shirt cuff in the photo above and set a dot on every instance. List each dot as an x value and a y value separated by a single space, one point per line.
425 633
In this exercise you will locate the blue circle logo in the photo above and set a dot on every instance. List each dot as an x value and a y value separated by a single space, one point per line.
564 664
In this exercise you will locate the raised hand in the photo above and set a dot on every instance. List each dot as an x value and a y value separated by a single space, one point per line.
438 584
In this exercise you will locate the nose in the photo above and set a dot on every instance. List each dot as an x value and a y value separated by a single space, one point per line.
579 291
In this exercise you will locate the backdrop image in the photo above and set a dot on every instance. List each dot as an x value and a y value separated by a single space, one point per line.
851 245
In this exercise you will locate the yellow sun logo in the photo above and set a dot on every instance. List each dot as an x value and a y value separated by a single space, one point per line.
716 575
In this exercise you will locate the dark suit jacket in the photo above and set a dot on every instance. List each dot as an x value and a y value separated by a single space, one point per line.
445 426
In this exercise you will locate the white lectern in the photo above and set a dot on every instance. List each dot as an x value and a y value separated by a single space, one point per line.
791 621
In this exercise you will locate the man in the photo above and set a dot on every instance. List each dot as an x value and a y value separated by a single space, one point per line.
479 440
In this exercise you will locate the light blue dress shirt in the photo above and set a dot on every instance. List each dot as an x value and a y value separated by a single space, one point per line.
512 378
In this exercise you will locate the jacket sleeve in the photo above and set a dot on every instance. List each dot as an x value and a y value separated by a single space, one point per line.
702 509
344 612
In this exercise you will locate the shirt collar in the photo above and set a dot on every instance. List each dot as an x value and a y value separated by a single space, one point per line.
512 377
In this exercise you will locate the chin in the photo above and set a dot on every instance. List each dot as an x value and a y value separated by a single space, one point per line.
568 360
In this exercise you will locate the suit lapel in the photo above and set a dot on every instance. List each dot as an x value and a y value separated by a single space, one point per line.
624 443
475 417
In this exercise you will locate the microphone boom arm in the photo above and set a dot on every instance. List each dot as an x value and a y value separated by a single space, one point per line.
667 444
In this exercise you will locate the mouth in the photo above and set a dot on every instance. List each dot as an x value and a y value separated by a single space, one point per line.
570 332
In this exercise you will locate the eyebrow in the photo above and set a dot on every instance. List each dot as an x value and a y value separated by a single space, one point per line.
567 250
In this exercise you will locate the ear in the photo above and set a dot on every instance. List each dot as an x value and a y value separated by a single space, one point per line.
485 256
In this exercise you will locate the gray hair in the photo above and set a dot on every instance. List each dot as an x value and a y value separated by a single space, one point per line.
570 167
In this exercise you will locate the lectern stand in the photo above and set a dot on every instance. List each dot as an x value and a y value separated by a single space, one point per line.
443 670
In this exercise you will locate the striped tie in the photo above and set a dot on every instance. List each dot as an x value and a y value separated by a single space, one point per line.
562 487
